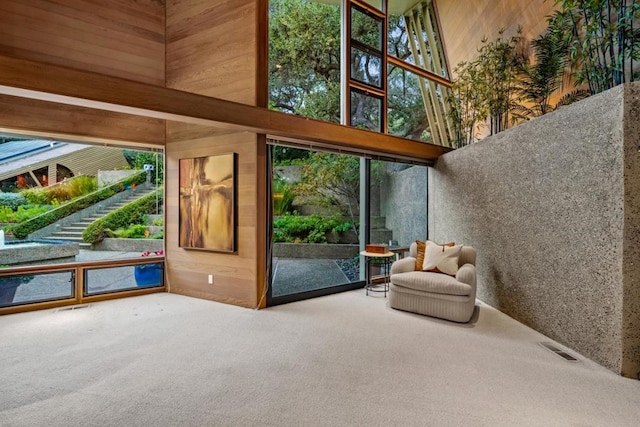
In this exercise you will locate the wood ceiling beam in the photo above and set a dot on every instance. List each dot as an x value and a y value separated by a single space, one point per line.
34 80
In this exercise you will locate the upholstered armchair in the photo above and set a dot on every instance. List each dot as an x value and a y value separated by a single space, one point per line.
434 293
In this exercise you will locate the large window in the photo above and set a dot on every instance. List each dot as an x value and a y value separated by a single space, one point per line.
393 77
65 206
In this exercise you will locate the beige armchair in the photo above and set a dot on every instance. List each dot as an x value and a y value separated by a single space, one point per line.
435 294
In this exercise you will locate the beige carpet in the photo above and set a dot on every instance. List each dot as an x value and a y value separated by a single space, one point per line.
341 360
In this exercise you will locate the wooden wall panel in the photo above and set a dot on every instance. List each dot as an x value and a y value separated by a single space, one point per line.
48 119
465 23
123 38
212 49
235 275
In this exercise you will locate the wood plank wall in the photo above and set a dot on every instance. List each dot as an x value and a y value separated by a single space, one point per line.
212 50
465 23
235 275
123 38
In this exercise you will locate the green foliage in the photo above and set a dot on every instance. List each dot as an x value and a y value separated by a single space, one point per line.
133 213
283 196
332 180
23 213
546 72
22 230
307 229
604 40
287 156
485 88
12 201
134 231
61 192
137 160
304 58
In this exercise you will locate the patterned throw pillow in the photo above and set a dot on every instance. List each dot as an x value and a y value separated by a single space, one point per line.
421 249
441 258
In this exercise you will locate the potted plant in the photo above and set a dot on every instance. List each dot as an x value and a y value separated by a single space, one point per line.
149 274
9 285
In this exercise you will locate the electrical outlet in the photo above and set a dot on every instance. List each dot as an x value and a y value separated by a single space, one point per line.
211 279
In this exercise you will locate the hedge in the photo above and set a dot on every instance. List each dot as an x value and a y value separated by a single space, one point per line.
22 230
132 213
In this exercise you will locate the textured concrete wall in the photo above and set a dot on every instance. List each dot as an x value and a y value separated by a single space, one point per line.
404 204
553 208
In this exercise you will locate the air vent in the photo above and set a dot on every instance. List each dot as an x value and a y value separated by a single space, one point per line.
73 307
552 348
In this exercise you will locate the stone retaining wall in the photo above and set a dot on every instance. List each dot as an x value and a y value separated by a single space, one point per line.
314 250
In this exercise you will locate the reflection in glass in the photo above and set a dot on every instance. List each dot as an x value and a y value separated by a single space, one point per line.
366 111
30 288
417 108
375 3
392 185
366 67
366 29
113 279
414 38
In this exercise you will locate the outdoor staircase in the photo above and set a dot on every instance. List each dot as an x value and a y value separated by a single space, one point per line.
73 232
379 233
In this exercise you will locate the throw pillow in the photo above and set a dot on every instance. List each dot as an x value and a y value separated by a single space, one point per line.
441 258
420 255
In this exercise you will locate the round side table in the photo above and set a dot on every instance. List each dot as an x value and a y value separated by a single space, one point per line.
386 259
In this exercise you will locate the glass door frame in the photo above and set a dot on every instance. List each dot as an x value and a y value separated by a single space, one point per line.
285 299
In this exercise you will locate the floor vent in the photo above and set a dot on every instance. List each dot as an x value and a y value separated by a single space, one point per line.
73 307
552 348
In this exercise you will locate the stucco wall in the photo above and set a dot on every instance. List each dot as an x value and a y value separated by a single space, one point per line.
546 207
404 204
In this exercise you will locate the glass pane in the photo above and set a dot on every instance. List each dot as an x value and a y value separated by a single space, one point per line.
113 279
375 3
412 31
417 108
366 111
393 185
366 29
30 288
366 67
315 222
304 58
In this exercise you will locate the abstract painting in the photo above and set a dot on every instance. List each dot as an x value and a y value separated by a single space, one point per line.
207 203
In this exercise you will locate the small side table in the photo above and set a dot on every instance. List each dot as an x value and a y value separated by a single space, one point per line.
386 271
399 251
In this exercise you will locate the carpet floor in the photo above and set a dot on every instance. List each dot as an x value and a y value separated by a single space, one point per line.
341 360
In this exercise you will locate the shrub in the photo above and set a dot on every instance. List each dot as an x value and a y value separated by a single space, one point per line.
23 213
12 200
307 229
36 196
283 196
22 230
62 192
133 213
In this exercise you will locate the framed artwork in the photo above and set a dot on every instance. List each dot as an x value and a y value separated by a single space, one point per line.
207 203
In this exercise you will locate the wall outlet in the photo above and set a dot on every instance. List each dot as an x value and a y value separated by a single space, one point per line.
210 279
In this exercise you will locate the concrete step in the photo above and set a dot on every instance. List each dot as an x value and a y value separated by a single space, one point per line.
73 234
377 222
381 235
67 239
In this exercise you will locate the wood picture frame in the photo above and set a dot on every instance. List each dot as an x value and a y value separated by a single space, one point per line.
207 203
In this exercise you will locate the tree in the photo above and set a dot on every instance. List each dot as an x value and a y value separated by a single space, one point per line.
304 59
137 160
604 40
545 72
